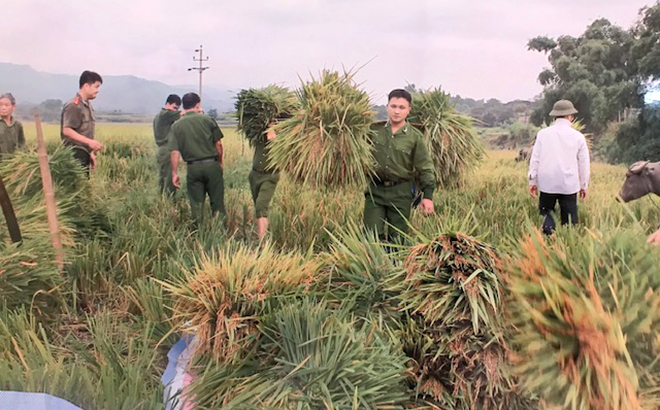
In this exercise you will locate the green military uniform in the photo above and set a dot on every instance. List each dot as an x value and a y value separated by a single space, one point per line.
162 125
262 178
400 158
194 136
78 115
12 136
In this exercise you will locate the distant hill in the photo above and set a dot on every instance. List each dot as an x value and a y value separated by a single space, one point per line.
124 93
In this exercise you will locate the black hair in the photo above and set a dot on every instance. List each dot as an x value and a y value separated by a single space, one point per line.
190 100
89 77
400 93
173 99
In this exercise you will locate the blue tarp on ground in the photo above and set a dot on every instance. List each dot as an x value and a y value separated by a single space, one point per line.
16 400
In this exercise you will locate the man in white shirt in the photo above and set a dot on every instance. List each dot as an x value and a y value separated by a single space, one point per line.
559 167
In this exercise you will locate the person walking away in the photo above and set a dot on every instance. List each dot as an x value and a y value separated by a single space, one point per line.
559 168
196 138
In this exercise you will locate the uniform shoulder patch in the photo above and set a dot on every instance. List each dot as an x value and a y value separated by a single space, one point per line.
76 100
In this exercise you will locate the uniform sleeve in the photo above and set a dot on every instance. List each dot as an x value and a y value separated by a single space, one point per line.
20 143
72 116
424 168
216 132
584 166
172 142
534 162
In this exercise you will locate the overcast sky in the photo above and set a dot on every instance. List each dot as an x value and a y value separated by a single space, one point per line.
473 48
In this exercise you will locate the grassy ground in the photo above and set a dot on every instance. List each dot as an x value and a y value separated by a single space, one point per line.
104 346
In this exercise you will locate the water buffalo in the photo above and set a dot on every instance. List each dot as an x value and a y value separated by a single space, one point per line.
643 177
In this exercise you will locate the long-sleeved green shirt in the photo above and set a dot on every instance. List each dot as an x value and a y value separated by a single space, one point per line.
163 123
403 156
12 136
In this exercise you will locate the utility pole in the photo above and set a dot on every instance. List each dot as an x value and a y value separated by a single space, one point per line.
201 67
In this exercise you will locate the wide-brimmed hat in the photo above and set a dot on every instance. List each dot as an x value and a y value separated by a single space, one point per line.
563 108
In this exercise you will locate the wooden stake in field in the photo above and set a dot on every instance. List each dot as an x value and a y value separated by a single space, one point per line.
49 194
10 216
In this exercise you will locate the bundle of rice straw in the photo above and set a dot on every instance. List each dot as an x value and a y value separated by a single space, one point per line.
452 140
257 108
326 143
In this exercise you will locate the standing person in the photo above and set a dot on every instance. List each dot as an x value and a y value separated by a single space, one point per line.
162 125
559 167
78 123
263 181
12 136
400 153
197 138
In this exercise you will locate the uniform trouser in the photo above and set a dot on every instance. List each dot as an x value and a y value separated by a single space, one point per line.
389 205
83 156
262 185
205 178
165 171
567 210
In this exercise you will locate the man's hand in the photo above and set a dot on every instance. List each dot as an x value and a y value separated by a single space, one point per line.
533 190
92 160
176 181
94 145
270 134
654 238
584 193
427 206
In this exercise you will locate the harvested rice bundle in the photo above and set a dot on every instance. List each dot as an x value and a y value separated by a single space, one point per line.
451 279
327 142
311 357
586 314
29 278
258 108
450 290
356 270
221 302
452 139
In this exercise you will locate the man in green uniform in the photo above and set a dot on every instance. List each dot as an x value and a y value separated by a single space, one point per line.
401 155
263 181
12 136
77 125
197 138
162 125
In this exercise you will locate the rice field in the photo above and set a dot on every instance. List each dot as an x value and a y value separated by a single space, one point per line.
137 276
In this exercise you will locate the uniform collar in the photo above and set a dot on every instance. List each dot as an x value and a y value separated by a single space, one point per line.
12 121
79 97
403 129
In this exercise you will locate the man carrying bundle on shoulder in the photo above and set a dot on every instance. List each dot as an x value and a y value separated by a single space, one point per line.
263 180
197 138
401 154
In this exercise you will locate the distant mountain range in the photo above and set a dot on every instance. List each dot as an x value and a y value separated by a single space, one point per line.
125 93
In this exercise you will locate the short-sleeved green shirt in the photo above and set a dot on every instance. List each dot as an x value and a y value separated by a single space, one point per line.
12 136
163 123
79 116
194 136
403 156
260 159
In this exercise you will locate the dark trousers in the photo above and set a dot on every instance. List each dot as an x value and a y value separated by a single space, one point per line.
83 157
567 210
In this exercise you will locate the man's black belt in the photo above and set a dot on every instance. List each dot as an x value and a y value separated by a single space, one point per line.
202 161
389 183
